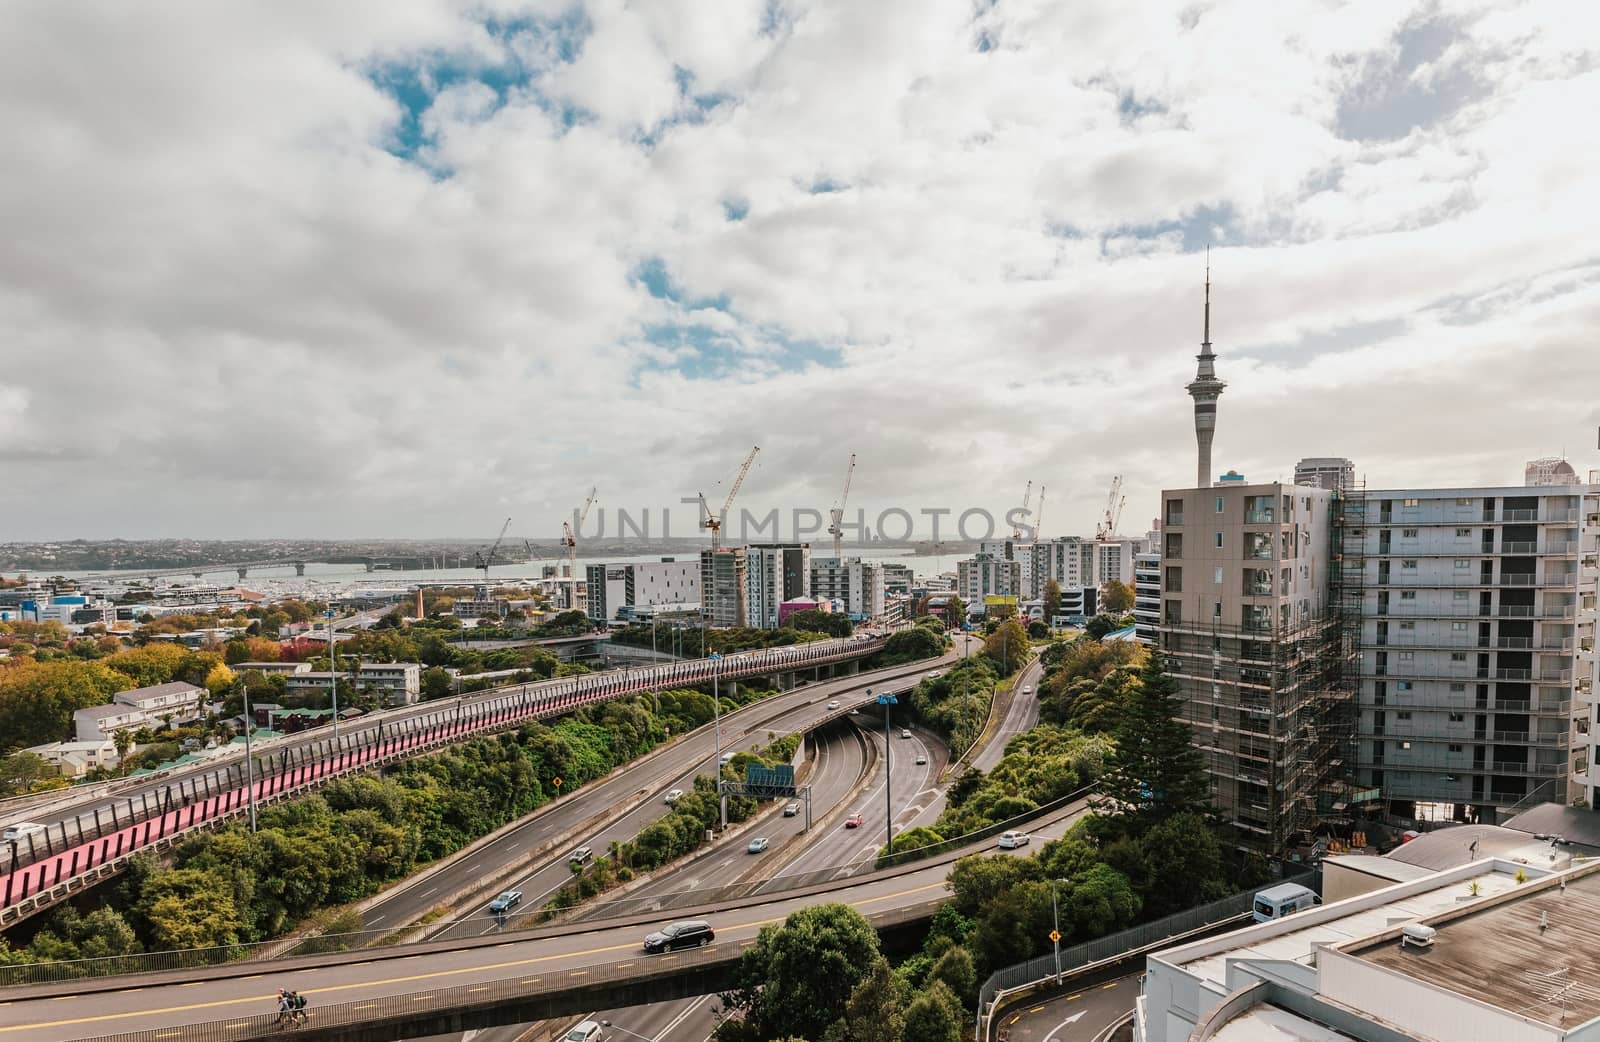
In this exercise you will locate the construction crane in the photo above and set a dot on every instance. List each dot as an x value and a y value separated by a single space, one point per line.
713 522
1113 513
1016 529
482 561
836 515
1038 518
570 542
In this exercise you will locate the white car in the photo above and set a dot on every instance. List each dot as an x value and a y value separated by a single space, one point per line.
588 1031
935 675
834 704
673 797
922 758
1012 840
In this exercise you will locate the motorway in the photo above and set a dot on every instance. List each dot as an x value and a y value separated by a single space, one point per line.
1082 1015
96 831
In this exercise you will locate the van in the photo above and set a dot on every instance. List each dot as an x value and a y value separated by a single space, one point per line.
21 830
1281 900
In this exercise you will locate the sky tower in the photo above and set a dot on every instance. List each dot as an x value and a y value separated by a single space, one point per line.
1205 389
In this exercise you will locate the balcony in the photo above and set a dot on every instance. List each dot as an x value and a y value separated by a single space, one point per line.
1174 518
1519 515
1539 708
1518 579
1258 517
1514 642
1259 553
1527 738
1511 674
1559 675
1258 589
1519 548
1517 611
1570 546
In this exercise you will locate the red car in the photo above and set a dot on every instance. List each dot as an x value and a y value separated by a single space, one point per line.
853 821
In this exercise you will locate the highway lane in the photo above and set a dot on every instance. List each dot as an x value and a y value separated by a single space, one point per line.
50 1014
75 815
1021 717
1081 1015
673 767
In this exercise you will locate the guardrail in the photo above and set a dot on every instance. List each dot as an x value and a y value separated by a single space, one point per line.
93 844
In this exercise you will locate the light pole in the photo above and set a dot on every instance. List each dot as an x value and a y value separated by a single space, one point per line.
625 1031
1055 918
333 674
249 761
887 699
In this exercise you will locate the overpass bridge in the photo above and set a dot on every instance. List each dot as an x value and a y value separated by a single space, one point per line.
439 987
91 840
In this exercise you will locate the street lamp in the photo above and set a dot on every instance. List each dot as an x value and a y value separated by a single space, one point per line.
249 760
625 1031
887 699
716 716
1055 917
333 673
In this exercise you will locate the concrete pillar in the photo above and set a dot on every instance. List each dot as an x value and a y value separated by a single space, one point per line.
299 568
242 572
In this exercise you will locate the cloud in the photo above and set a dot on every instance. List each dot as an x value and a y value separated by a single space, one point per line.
403 270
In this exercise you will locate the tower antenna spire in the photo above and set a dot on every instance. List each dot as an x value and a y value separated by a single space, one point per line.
1205 389
1205 344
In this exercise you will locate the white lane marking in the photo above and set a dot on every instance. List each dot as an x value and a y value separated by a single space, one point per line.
1070 1020
378 920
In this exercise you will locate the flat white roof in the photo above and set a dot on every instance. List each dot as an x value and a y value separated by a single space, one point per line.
1280 940
1271 1024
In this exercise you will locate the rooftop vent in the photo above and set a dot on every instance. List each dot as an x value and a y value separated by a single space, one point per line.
1415 935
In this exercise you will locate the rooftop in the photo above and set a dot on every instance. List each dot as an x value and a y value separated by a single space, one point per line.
1533 954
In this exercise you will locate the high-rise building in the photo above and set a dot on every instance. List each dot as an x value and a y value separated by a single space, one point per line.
722 586
1252 635
854 583
1205 389
1477 664
774 573
1552 470
1334 473
616 588
897 578
985 575
1146 596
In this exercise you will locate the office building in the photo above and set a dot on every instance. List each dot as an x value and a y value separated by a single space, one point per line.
855 584
722 586
1486 950
774 573
1334 473
897 578
618 590
1146 596
1477 637
1252 635
986 575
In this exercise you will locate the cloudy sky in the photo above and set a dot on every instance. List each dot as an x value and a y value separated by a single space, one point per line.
407 267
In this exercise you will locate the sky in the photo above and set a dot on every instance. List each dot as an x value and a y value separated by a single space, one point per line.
405 268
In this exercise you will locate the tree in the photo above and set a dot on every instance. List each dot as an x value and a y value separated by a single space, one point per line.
876 1010
37 699
956 970
123 742
832 623
21 772
1155 772
1052 602
935 1016
1116 596
1097 627
1007 646
955 612
799 977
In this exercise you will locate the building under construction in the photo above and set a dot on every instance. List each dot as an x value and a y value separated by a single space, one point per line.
1254 623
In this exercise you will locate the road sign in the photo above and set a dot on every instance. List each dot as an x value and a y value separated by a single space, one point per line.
1055 936
769 782
556 782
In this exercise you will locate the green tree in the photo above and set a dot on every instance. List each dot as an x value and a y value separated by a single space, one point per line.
435 684
37 699
21 772
799 977
956 970
1052 602
935 1016
875 1011
1007 646
832 623
1155 772
1097 627
955 612
1116 596
908 645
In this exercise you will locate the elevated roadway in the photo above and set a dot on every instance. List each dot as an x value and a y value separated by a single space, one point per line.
91 835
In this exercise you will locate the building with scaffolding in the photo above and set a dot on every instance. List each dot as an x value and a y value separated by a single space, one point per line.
1253 626
1477 638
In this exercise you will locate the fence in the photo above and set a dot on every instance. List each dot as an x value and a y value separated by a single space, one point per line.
1133 939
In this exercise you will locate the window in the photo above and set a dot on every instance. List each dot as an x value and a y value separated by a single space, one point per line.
1409 566
1216 609
1404 714
1408 533
1410 502
1405 745
1463 533
1463 564
1407 656
1402 685
1455 748
1216 574
1219 504
1459 688
1463 501
1458 718
1458 656
1460 595
1219 540
1408 625
1458 627
1408 595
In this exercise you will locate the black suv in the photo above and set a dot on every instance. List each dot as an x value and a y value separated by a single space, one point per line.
673 936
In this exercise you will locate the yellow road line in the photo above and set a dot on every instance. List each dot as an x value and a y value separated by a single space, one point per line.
1069 998
1105 987
532 960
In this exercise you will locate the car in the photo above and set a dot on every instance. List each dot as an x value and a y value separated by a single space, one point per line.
673 796
758 844
935 675
727 758
1012 840
581 856
791 809
21 830
853 821
922 758
834 704
905 732
588 1031
1027 690
689 933
507 900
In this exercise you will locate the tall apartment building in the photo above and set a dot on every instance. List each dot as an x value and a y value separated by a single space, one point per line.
1252 635
897 578
986 575
1334 473
1146 596
1477 637
723 586
855 583
774 573
615 588
1114 559
1069 560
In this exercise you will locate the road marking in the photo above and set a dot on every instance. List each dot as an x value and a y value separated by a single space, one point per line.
378 920
1070 1020
473 991
1069 998
428 891
1113 984
130 991
1035 1010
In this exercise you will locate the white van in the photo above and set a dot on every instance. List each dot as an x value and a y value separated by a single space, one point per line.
1281 900
21 830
